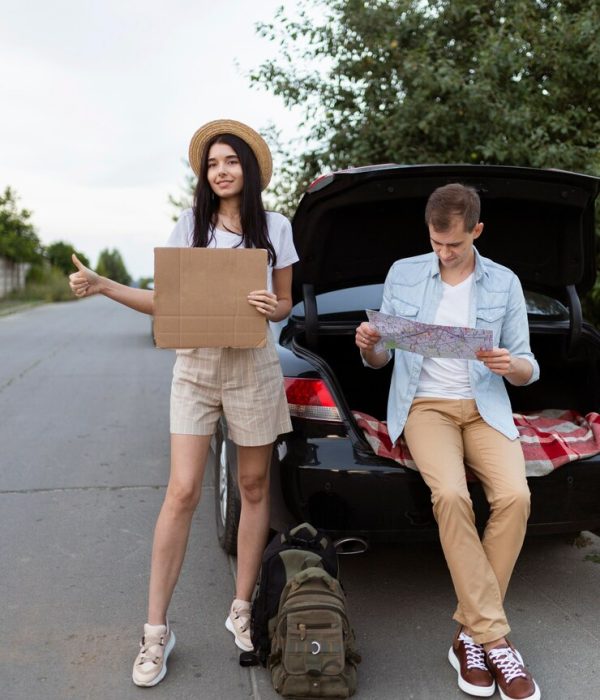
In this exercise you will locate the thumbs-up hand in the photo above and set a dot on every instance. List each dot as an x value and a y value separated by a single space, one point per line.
84 282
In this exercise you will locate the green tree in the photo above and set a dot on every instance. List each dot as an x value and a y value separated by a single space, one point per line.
508 82
146 282
18 240
186 198
440 81
110 264
59 255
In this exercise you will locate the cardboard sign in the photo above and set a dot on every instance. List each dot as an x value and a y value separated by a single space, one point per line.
200 297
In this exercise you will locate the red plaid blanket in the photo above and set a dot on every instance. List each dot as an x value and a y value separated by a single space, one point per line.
549 438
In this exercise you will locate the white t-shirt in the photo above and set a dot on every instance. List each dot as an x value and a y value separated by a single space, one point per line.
446 378
280 234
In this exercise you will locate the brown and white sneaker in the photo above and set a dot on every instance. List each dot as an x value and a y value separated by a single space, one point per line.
150 665
468 660
238 623
513 679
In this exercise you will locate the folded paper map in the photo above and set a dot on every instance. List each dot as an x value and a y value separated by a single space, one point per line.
428 339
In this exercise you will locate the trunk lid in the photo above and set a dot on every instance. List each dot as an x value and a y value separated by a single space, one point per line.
350 226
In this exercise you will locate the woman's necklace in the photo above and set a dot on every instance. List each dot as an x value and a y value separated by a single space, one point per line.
230 225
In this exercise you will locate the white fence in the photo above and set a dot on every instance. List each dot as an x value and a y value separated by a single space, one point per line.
12 276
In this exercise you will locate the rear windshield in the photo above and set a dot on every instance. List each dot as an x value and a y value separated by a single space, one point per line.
356 299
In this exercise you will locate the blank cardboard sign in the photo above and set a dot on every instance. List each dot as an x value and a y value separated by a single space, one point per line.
200 297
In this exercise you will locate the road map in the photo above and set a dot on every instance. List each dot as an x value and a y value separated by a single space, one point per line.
428 339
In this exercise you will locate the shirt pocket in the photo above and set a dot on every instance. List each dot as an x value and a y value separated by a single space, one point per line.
406 300
404 308
491 319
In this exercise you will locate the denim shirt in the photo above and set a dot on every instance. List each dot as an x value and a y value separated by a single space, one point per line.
413 289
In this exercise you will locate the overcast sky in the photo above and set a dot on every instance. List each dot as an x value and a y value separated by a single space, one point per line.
99 99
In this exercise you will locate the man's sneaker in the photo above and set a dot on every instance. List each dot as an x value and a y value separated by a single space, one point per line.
150 665
468 660
513 679
238 623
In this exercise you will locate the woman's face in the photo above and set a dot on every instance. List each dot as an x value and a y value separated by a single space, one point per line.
224 171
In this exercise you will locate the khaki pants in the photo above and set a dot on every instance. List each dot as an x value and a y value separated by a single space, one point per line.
443 435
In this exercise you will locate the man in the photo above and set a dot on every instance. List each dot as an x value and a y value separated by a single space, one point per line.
456 412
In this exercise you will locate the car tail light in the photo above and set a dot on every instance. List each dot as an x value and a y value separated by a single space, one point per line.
311 399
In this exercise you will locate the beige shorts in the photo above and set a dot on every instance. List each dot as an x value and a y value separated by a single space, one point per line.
243 384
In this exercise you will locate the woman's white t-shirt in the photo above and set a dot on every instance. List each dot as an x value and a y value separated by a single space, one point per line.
280 234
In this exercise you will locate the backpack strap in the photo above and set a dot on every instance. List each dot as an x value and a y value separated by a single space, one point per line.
304 535
353 656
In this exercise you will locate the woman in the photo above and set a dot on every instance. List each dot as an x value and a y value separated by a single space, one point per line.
233 164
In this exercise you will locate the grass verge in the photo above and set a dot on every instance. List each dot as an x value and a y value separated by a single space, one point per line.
51 286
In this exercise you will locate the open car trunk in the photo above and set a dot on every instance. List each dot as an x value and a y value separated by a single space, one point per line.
351 226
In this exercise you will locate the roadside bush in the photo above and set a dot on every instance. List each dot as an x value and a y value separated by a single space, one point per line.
37 273
44 283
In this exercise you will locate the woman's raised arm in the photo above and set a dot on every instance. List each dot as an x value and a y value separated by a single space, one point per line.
86 282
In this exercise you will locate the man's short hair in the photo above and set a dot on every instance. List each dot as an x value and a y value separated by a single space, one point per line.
449 201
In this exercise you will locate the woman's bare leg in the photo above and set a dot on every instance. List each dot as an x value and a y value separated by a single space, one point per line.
253 479
188 460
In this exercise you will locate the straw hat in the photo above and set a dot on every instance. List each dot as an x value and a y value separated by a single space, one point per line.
229 126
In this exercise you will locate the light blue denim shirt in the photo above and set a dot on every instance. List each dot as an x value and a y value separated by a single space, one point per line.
413 289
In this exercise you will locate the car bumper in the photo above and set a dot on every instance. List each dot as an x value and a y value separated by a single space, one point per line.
345 491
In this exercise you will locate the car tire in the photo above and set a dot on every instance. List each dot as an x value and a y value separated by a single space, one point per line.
228 502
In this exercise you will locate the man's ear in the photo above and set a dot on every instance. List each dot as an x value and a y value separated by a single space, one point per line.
477 230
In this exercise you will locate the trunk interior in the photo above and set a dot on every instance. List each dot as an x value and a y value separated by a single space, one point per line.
567 380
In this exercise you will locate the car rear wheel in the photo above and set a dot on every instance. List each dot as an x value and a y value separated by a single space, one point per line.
227 496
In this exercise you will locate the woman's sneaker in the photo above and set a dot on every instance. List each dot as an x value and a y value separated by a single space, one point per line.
238 623
468 660
513 679
150 665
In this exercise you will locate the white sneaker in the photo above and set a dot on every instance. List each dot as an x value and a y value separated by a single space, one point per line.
150 665
238 623
512 677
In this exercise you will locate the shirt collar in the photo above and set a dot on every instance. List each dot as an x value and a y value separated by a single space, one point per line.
480 268
479 271
435 265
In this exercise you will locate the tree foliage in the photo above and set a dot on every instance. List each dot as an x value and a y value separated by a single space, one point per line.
146 282
503 82
18 240
111 265
186 198
59 255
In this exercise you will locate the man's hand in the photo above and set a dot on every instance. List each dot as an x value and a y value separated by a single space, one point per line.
366 337
499 361
84 282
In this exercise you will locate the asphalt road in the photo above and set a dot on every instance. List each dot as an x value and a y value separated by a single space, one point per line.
83 466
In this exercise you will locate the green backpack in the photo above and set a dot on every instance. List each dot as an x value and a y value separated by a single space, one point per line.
313 652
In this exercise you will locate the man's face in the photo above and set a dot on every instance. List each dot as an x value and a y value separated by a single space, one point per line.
454 247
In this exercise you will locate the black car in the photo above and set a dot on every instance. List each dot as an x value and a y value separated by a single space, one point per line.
349 228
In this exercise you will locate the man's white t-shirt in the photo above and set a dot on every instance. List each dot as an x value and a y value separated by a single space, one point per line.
446 378
280 234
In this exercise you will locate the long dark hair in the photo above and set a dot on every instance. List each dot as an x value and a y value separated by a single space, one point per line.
255 233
